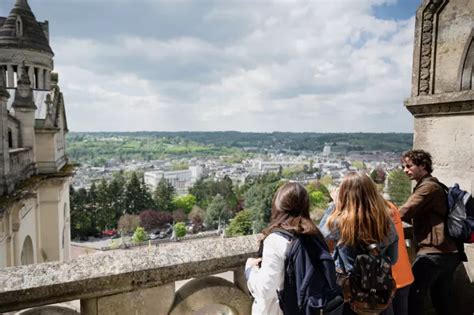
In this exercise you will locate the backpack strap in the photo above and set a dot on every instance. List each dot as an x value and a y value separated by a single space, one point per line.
282 232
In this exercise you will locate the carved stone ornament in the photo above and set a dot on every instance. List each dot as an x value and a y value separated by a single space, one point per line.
428 31
453 108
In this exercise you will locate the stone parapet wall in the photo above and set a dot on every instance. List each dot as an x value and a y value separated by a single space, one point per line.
120 272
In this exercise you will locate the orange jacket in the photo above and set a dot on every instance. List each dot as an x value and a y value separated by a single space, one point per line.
401 271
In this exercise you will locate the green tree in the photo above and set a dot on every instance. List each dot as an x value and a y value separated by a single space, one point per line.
105 211
180 229
241 224
258 200
185 202
140 235
326 180
136 196
163 196
116 194
399 186
81 218
216 212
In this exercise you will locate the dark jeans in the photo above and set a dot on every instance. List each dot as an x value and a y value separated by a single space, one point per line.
400 301
433 273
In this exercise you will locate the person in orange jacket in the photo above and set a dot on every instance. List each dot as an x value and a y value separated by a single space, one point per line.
401 271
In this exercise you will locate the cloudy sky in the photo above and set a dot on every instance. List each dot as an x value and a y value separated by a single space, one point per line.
247 65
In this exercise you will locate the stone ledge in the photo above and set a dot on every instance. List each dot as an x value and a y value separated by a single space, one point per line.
120 271
453 103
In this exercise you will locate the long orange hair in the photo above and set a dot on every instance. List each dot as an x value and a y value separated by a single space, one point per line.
361 214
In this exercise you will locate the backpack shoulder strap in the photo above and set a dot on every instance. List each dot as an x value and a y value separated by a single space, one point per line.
286 234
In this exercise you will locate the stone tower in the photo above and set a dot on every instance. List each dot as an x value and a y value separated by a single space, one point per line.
442 96
34 174
24 39
442 103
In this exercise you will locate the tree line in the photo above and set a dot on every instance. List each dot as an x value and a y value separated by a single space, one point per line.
126 202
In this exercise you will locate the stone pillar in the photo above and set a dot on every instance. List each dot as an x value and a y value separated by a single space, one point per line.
31 74
157 300
240 281
40 84
5 186
47 79
11 76
19 71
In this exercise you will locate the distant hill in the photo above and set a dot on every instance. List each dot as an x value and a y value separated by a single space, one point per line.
151 145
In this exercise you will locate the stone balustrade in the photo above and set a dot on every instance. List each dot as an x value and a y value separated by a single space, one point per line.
137 281
21 164
143 280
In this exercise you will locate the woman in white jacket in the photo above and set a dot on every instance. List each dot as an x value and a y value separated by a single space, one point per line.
265 275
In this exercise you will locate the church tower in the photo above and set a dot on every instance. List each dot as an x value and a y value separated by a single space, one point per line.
34 210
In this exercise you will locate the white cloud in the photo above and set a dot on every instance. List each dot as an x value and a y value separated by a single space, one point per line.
296 66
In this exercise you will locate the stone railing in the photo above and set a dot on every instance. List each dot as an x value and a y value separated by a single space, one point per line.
137 281
21 164
144 280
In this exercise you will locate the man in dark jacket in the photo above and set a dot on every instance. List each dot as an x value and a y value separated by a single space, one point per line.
437 256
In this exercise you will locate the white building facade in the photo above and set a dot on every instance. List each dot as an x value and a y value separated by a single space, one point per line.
34 174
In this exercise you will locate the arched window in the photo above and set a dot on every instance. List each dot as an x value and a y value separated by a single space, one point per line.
19 27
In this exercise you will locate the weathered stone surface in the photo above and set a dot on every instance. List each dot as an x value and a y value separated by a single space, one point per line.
120 271
152 301
199 293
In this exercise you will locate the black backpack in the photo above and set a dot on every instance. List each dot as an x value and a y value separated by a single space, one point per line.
461 214
370 286
310 278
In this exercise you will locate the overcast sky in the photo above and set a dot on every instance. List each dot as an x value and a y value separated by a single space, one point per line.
260 65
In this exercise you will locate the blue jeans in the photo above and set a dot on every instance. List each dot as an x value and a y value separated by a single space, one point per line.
433 273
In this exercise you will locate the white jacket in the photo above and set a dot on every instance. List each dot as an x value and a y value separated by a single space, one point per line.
264 282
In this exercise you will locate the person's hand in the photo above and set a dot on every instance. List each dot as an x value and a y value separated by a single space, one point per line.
251 262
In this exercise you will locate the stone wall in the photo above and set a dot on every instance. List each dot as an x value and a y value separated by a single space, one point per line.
137 280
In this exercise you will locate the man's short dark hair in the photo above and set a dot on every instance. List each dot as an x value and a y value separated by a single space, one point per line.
419 157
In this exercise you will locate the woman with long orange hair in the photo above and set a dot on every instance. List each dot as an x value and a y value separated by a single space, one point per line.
358 218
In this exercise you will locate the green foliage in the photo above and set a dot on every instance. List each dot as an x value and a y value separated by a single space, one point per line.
359 165
140 235
206 189
136 196
399 186
326 180
180 229
216 212
241 224
318 195
185 202
258 200
163 196
105 146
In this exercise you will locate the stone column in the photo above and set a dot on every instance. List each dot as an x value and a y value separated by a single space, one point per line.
11 76
40 84
47 79
31 74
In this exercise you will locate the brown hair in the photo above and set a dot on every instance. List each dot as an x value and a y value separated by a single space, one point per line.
419 158
290 210
361 214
